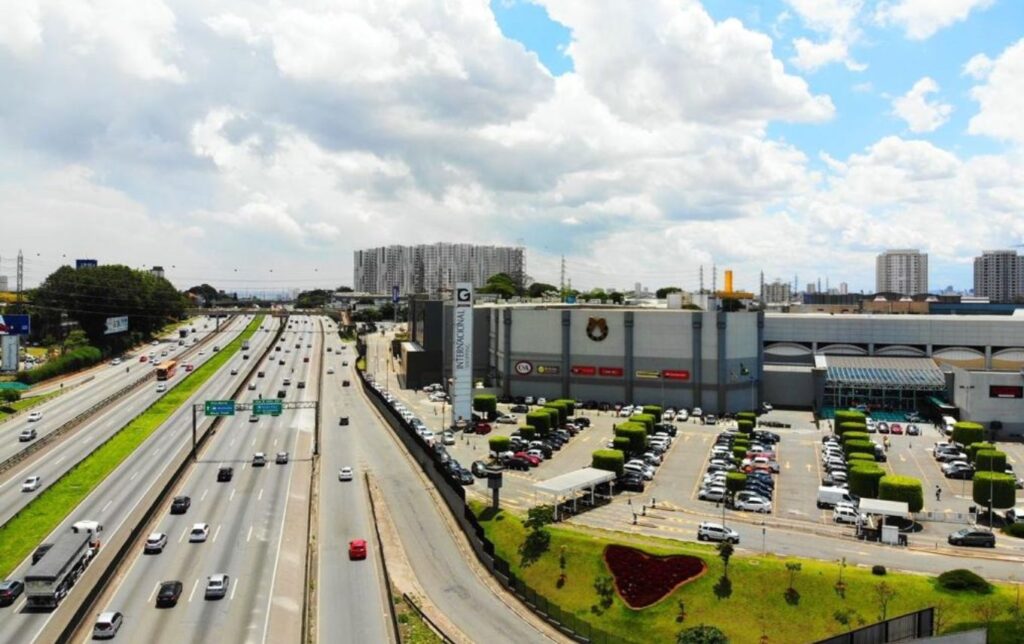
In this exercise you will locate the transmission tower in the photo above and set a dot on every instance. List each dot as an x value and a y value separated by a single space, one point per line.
21 274
561 279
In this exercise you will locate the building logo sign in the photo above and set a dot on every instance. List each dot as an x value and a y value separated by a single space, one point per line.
462 352
647 375
675 374
578 370
614 372
597 329
548 369
524 367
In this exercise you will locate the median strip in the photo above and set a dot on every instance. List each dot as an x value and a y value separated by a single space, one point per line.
20 535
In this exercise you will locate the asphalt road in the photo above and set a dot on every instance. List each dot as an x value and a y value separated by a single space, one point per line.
117 495
246 517
69 450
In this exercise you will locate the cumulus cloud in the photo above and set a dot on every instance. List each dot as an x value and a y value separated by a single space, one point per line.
837 20
921 114
920 19
1001 97
978 66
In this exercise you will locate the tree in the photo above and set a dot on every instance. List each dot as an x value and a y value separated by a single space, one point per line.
75 340
1002 488
344 289
610 460
968 433
539 289
702 635
663 292
902 488
725 551
10 395
616 297
885 593
206 292
539 516
792 594
595 294
500 284
315 299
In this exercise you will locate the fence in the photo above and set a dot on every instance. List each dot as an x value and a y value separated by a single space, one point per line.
897 629
454 496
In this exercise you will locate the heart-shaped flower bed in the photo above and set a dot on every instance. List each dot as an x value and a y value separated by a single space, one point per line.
642 579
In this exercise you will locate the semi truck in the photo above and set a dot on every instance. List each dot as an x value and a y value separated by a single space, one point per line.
51 578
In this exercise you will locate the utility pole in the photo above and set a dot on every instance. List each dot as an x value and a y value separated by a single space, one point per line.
714 279
762 286
561 279
21 274
701 278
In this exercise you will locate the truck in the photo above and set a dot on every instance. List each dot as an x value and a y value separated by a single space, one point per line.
829 496
182 333
245 345
51 578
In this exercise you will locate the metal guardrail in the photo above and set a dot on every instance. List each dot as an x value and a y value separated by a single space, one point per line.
911 626
419 611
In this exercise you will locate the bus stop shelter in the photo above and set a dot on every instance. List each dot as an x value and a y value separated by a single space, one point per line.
571 483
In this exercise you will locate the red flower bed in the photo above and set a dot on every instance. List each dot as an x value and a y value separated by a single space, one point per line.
642 579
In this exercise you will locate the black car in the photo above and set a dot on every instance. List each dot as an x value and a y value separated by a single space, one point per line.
763 477
581 421
961 474
547 448
465 477
225 474
302 384
180 504
764 435
343 420
668 428
760 488
479 468
169 593
519 409
281 393
969 537
10 590
631 483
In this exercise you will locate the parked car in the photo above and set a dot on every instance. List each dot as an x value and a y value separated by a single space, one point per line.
507 419
714 493
846 514
630 483
519 409
708 531
754 504
972 537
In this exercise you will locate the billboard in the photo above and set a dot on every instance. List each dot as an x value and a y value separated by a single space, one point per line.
675 374
394 294
86 263
9 346
462 353
15 325
116 325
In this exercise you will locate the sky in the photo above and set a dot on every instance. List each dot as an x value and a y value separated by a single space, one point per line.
256 145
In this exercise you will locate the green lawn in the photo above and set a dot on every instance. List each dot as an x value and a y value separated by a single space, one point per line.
20 535
757 605
27 403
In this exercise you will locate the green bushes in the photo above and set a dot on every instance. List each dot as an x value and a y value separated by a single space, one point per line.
866 447
647 420
499 443
541 420
1015 530
740 451
528 432
1001 486
990 460
734 481
842 428
554 416
902 488
561 408
854 436
967 433
653 410
79 358
621 443
636 433
745 426
610 460
860 457
747 415
973 449
863 478
486 404
849 416
963 579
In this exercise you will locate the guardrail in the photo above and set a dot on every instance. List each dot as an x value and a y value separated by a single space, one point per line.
310 592
911 626
419 611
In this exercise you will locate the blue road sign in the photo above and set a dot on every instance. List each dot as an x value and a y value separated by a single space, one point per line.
15 325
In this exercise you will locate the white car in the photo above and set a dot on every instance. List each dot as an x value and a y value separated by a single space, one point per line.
668 414
345 474
31 484
437 396
542 401
682 415
697 412
115 362
754 504
155 542
330 370
846 514
216 586
199 532
625 412
708 531
954 465
448 438
35 416
713 493
161 387
428 436
507 419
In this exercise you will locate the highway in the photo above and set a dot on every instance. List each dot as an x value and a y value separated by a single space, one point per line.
114 498
248 518
69 450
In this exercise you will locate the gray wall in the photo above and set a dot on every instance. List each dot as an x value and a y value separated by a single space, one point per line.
971 395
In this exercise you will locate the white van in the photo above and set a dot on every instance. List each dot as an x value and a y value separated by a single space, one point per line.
91 527
828 497
947 424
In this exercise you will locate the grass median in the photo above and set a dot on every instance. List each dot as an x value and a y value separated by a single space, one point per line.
757 603
26 403
20 535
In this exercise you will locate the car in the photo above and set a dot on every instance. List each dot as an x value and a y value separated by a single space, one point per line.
225 474
845 513
714 493
199 532
630 483
35 416
345 474
107 625
536 453
259 459
343 420
766 407
448 438
330 370
27 435
972 537
954 465
507 419
883 427
286 382
464 476
217 586
189 367
753 504
169 593
345 383
697 412
180 504
281 393
161 387
960 473
155 542
913 430
532 459
519 409
10 590
31 484
896 428
143 359
708 531
281 458
479 469
357 549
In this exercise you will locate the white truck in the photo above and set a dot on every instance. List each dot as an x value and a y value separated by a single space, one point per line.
50 579
829 496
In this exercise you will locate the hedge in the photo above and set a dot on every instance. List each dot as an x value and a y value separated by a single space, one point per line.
740 451
499 443
967 433
653 410
1015 530
610 460
747 415
528 432
974 448
863 478
862 457
570 405
849 416
734 481
745 426
842 428
646 419
990 460
854 436
1002 486
541 421
621 443
867 447
636 433
485 404
902 488
963 579
554 415
560 407
80 358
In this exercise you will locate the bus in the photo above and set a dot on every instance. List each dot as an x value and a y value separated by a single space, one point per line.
165 370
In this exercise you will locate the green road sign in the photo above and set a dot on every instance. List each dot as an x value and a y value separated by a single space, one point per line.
267 406
220 407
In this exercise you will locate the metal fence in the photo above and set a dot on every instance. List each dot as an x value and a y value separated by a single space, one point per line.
454 496
904 628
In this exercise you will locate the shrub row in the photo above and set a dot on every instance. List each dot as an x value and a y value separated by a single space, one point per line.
71 361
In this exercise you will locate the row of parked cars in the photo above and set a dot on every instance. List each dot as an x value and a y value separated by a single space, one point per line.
524 454
759 464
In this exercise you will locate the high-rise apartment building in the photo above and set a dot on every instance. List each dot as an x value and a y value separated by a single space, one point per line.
903 271
999 275
778 292
430 268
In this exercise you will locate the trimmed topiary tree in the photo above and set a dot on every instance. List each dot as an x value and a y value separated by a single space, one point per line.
863 479
636 433
734 481
646 420
554 417
1002 487
866 447
902 488
990 460
570 405
740 451
842 428
621 443
528 432
541 421
747 415
745 426
653 410
486 404
973 449
561 408
854 436
861 457
849 416
968 433
499 443
610 460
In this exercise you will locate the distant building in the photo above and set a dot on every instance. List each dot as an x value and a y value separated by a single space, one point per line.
157 271
86 263
844 288
811 288
903 271
432 268
999 275
777 292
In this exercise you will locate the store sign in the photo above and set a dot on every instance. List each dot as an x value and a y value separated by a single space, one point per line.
647 375
675 374
462 352
548 369
524 367
614 372
1005 391
583 371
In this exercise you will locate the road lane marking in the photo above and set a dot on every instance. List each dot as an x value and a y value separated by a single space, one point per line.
232 496
234 587
182 537
249 536
260 496
106 506
60 460
194 585
134 476
216 532
254 441
203 497
154 591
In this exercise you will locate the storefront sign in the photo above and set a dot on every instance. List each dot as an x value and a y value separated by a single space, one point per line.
583 371
462 352
675 374
615 372
524 367
548 370
647 375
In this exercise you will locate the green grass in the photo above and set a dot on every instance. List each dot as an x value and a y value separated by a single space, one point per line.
757 605
27 403
20 535
412 628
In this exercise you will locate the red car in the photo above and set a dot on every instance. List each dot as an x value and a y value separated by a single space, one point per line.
483 428
143 359
357 549
896 428
189 367
532 460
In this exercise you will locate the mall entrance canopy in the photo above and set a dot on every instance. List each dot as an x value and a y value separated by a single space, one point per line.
886 383
571 483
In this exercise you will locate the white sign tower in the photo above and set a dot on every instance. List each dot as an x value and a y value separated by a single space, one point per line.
462 354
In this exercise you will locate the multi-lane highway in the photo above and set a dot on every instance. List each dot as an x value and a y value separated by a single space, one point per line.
247 518
115 498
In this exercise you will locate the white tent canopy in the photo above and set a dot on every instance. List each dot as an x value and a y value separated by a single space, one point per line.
886 508
572 482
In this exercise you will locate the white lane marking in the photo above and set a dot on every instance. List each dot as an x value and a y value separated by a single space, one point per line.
182 537
234 587
156 451
259 497
155 588
204 494
216 532
194 585
60 460
231 498
106 506
249 536
275 442
277 556
134 476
